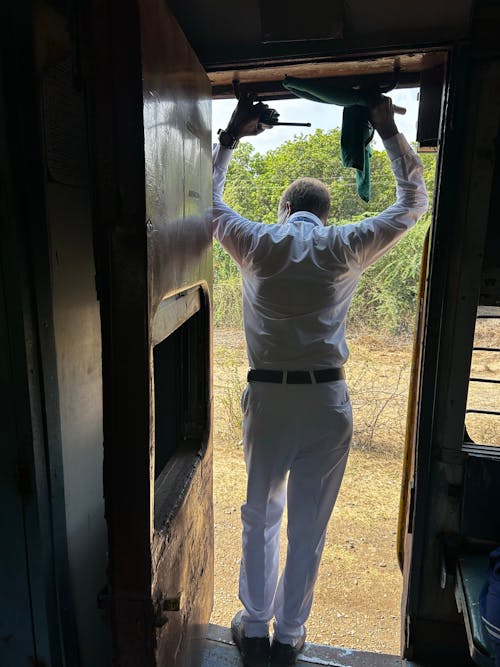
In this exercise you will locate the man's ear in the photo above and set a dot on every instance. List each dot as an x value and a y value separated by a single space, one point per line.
284 212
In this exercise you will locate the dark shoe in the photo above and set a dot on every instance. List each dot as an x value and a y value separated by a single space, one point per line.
254 650
285 654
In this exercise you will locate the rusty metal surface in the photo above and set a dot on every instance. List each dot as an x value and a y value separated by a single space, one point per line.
183 571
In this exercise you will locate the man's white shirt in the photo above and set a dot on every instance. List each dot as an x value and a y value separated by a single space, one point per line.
299 277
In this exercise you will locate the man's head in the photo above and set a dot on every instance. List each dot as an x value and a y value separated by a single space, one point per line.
305 194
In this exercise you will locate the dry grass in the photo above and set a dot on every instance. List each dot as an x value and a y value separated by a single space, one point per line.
357 599
378 376
485 428
359 586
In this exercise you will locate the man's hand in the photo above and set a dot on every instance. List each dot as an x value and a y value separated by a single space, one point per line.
382 116
245 119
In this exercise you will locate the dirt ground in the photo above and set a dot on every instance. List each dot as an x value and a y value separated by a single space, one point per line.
357 596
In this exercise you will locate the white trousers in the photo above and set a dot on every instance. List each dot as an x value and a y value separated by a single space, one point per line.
303 431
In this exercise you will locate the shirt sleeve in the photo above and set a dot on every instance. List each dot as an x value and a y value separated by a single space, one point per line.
366 241
235 233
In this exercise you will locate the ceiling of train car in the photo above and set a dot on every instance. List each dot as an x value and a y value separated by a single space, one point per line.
228 35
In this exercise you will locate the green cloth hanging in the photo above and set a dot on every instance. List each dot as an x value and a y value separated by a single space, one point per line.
357 131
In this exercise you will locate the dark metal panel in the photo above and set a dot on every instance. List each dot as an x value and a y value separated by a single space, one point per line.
431 97
279 22
111 66
224 38
177 144
481 499
401 17
26 271
464 186
78 364
177 135
152 185
30 612
439 644
15 612
72 367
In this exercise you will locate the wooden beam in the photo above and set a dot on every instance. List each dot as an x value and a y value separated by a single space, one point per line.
402 64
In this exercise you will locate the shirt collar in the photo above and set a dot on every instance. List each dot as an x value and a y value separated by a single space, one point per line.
305 216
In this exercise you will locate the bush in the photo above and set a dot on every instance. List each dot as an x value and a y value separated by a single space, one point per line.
386 296
385 299
227 303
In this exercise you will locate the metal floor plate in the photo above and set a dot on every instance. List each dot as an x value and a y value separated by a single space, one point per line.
220 651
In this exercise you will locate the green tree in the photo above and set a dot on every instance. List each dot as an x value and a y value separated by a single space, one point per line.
386 295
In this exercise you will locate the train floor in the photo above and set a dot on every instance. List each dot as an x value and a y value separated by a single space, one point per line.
220 651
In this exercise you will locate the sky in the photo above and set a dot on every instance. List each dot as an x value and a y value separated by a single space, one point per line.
324 116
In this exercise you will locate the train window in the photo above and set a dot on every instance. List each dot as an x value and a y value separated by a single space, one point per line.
482 420
181 394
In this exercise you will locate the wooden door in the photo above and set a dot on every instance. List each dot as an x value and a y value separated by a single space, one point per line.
149 104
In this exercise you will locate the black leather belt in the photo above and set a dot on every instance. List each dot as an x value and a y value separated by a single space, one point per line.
296 377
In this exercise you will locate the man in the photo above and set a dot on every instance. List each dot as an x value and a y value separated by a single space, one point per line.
299 277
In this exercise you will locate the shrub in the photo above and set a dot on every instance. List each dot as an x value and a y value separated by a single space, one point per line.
227 303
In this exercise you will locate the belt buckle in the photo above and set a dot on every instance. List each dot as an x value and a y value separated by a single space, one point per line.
300 377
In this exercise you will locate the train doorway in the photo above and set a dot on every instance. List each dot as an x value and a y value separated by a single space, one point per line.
357 597
106 332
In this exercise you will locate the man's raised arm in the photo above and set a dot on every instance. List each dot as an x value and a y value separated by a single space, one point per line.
232 230
244 122
368 240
